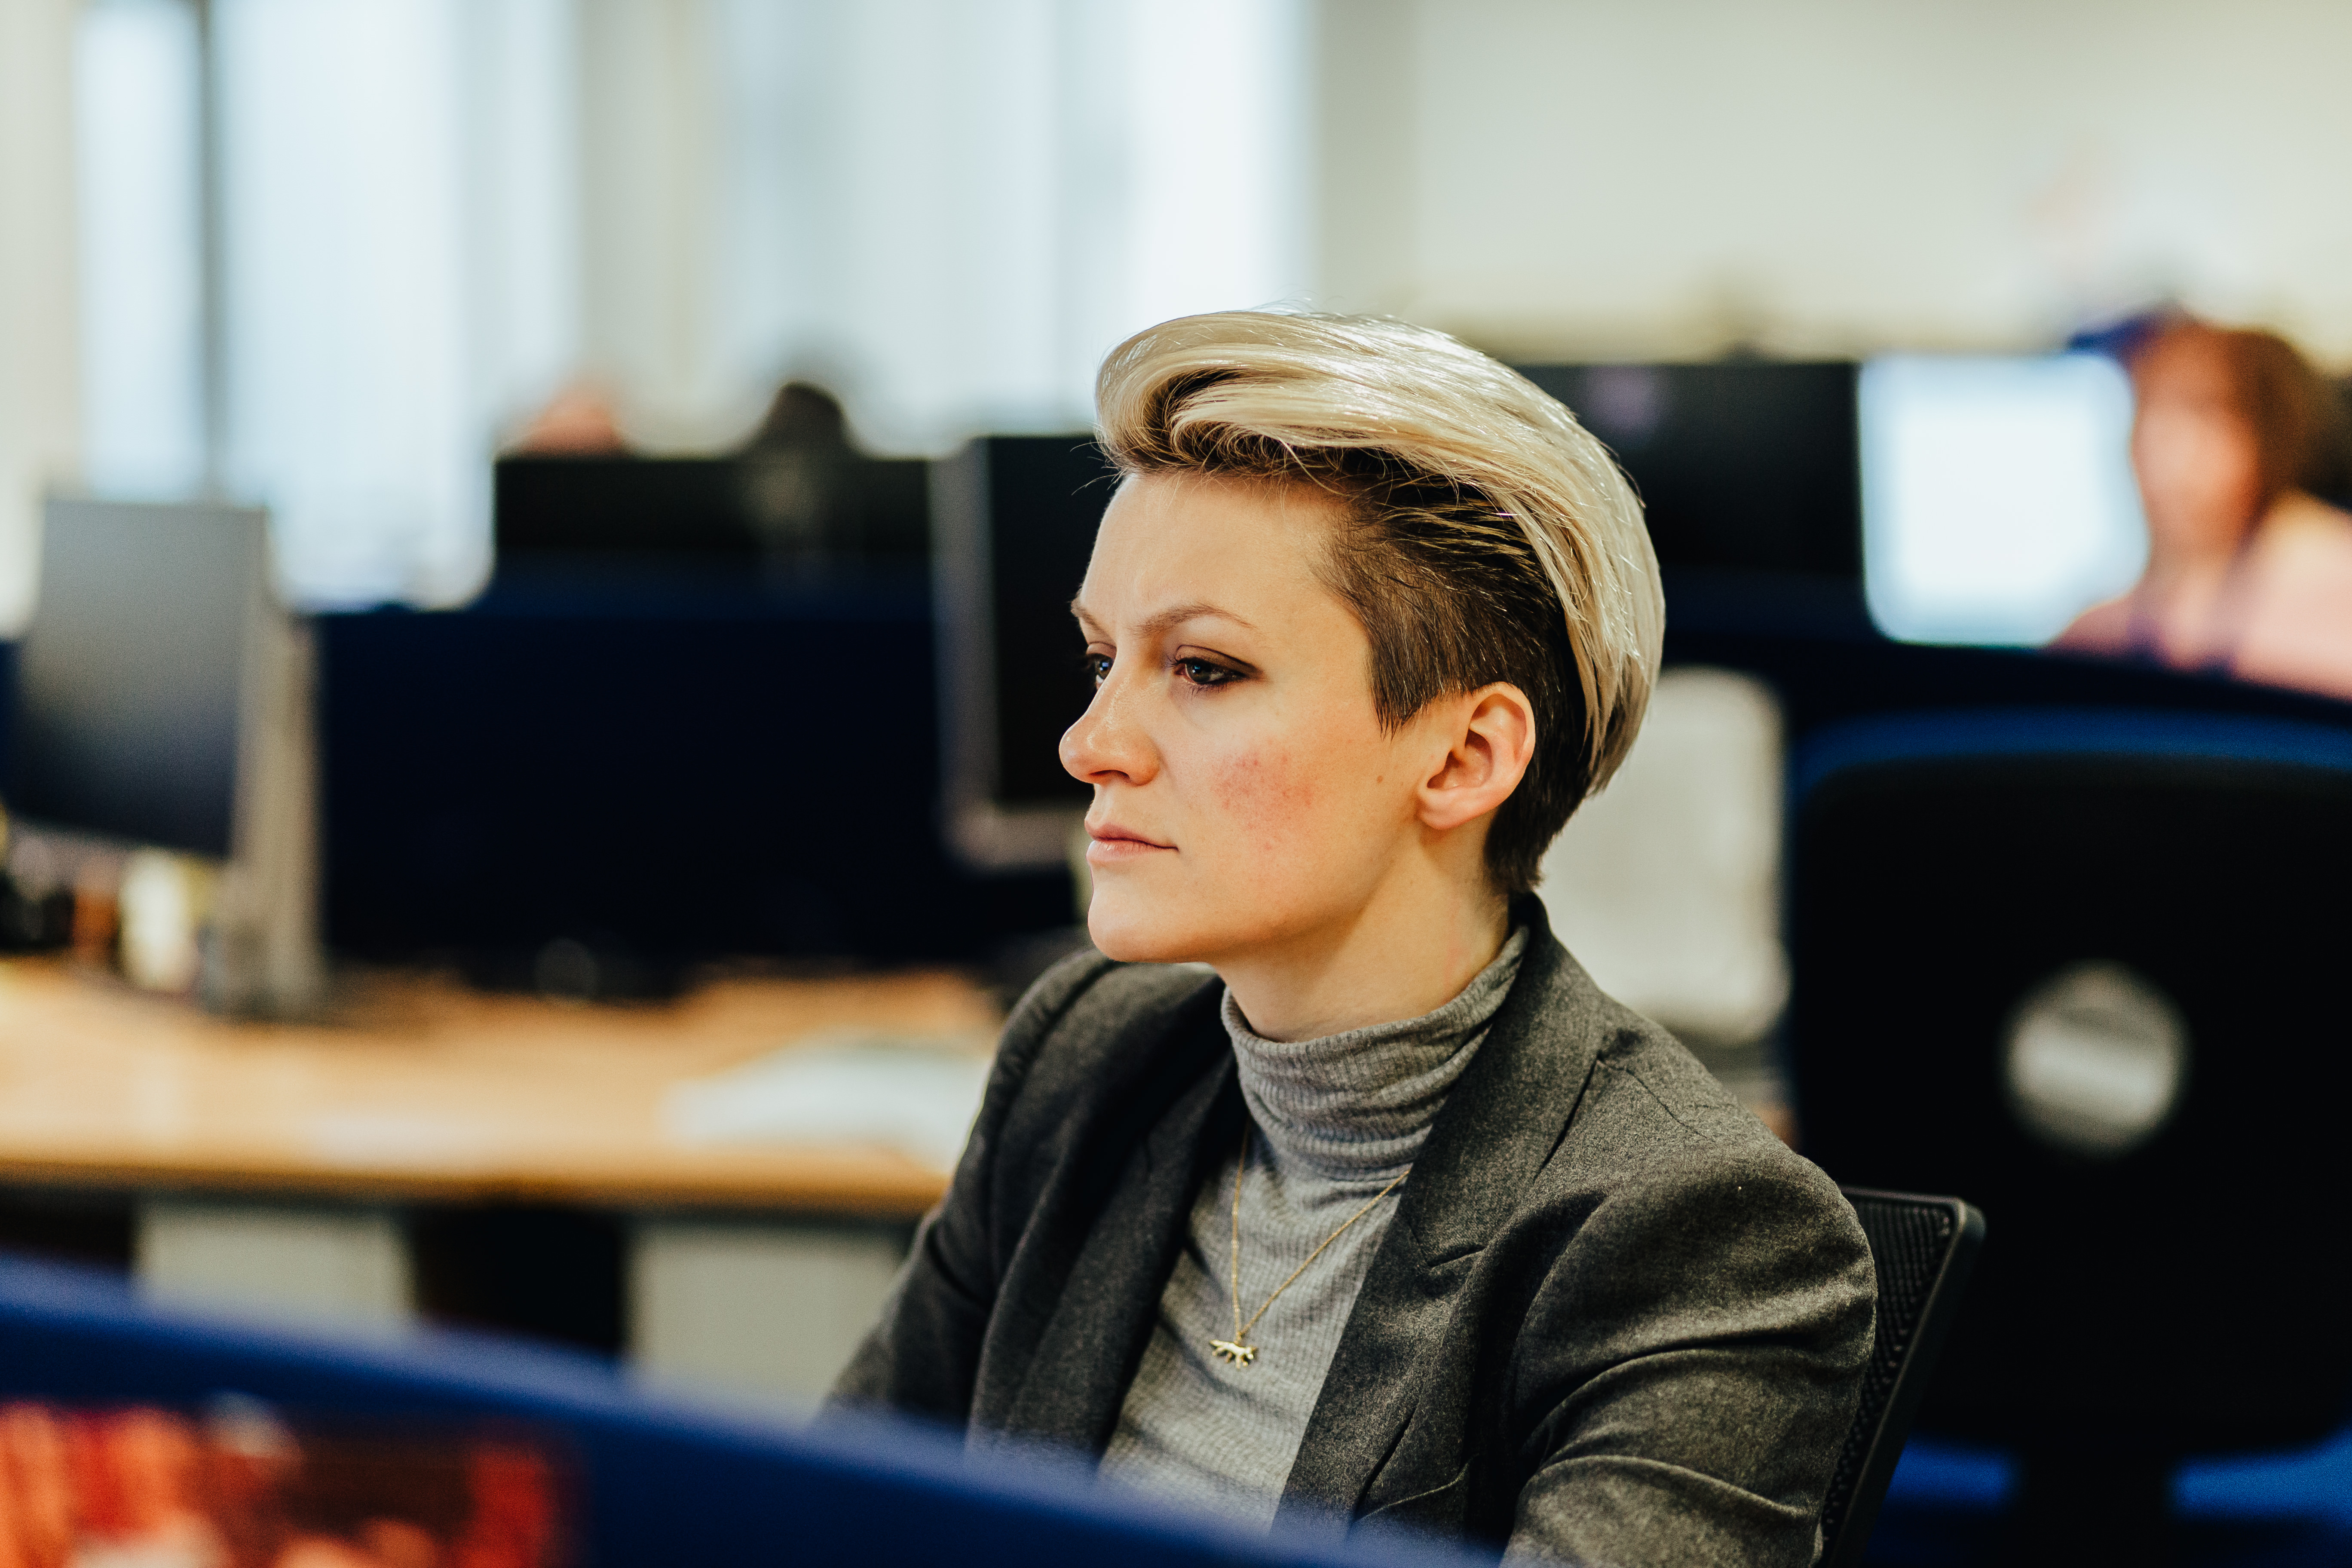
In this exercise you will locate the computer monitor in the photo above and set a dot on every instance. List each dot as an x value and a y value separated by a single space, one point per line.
1998 497
790 512
129 675
566 505
163 699
1743 466
644 699
1013 520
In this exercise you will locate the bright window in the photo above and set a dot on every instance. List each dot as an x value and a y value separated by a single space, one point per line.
433 212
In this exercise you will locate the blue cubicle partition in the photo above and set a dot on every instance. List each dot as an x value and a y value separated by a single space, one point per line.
657 1482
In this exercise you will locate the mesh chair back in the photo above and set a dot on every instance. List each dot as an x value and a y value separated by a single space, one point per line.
1923 1249
1958 883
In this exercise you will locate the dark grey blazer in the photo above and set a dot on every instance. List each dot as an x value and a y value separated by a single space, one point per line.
1612 1313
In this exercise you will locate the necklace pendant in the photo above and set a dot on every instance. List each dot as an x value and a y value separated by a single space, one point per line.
1234 1350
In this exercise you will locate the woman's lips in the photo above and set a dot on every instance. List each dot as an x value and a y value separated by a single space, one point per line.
1115 846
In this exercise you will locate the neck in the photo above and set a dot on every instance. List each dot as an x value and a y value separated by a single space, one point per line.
1402 956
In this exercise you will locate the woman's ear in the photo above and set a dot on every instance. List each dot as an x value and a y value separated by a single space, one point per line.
1490 739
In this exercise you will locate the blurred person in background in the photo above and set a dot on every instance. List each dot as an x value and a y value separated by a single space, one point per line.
802 418
1394 1213
579 421
2249 573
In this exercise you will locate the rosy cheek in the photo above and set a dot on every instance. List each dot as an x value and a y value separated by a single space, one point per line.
1266 796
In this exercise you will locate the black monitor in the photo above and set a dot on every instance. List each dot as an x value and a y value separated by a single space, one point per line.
645 701
163 698
1013 524
790 512
128 677
1743 466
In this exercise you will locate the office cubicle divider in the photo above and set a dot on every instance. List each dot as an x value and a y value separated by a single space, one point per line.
649 1479
661 770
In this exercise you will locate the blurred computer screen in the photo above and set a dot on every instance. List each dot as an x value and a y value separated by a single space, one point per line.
792 515
128 677
1013 520
1743 466
163 698
238 1482
1998 498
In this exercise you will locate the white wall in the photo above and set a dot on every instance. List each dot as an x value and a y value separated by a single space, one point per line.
953 210
948 211
140 247
433 212
398 260
1589 177
39 392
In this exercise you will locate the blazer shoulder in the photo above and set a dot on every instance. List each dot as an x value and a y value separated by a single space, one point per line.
1661 1149
1649 1102
1644 1058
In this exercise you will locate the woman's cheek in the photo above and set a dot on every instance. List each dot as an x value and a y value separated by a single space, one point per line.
1265 797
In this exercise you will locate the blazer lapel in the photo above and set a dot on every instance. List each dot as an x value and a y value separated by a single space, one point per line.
1078 1372
1394 1367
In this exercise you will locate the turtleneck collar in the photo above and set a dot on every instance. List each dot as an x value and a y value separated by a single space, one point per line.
1356 1107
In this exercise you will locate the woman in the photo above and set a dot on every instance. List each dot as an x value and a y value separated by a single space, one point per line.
2248 574
1394 1214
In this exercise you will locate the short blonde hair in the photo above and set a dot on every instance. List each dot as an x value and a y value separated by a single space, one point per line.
1491 536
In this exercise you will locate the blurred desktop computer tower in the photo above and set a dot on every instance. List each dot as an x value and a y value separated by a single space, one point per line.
1013 520
164 699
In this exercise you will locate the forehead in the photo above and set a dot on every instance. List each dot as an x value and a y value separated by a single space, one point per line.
1242 544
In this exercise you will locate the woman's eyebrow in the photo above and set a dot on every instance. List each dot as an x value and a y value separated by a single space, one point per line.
1174 615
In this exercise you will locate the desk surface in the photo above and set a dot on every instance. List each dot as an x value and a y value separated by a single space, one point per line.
423 1089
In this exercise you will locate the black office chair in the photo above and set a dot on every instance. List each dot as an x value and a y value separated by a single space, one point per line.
2087 968
1924 1249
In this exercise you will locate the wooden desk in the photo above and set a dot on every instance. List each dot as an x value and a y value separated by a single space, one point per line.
423 1089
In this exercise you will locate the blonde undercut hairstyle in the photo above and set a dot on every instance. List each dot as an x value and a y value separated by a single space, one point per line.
1487 536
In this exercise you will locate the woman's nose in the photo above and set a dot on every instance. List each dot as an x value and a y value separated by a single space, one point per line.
1105 744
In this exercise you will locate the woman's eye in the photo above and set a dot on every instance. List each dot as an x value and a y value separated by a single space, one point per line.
1201 672
1096 667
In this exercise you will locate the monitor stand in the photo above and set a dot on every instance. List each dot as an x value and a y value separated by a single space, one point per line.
265 958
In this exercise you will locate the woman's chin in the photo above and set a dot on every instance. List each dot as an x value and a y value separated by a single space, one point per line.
1135 936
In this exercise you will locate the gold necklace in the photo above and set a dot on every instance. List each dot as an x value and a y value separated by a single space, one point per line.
1237 1349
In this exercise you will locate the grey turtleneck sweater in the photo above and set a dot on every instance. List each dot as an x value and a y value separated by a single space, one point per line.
1332 1121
